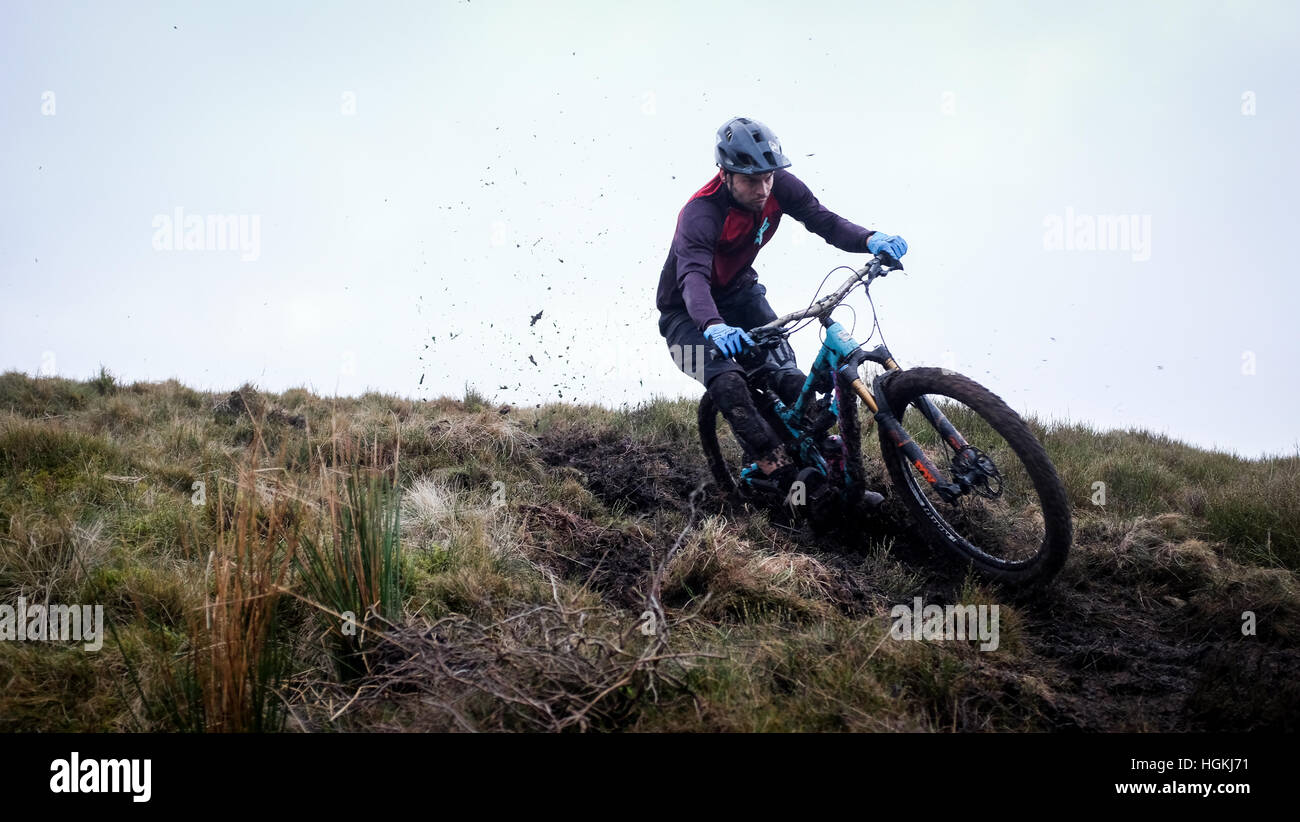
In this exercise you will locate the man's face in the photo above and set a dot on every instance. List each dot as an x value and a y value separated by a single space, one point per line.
750 190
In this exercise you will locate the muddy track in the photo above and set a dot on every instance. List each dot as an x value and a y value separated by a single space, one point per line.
1098 655
623 472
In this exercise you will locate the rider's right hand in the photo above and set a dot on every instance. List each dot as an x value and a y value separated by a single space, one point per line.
894 246
729 339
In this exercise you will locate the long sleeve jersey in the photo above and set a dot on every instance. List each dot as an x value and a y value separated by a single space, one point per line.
716 243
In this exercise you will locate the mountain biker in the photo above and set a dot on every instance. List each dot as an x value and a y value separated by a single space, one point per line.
708 289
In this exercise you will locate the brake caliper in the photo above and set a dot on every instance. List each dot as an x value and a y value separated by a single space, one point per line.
975 472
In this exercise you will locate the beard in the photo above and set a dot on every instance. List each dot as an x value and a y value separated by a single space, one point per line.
754 205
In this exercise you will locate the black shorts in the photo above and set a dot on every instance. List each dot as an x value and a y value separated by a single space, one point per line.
698 358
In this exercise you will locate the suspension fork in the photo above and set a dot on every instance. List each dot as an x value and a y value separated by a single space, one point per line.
948 491
941 424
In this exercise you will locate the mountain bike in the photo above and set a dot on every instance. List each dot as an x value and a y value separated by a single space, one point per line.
971 474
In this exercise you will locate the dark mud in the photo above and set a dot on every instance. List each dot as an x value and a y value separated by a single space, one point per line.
620 471
1098 656
615 563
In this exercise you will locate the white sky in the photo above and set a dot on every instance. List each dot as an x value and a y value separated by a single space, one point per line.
509 158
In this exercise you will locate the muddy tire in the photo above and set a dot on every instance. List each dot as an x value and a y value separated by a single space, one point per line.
1020 536
724 454
846 401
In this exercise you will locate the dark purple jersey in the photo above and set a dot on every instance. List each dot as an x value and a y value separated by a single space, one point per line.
716 242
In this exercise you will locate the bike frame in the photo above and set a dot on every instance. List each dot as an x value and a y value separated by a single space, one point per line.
840 355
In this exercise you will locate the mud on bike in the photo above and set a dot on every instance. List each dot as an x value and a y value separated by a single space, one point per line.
971 474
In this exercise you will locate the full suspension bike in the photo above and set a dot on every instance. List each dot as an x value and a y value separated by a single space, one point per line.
970 472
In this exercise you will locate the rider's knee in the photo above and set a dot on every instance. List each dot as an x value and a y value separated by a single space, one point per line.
789 384
729 390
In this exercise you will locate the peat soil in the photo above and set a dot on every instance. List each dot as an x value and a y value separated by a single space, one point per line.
1097 654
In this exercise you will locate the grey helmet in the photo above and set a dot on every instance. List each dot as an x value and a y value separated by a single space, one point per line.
747 146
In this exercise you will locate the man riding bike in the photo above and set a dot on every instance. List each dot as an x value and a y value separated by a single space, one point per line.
708 289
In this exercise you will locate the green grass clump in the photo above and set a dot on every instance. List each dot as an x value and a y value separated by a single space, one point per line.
352 569
42 396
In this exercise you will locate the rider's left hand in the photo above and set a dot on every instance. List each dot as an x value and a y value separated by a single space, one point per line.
896 247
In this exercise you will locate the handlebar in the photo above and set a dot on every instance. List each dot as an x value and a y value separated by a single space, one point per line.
879 266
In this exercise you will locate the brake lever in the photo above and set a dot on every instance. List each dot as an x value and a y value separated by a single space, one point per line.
763 336
889 263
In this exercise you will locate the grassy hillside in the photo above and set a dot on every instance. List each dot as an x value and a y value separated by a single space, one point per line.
552 570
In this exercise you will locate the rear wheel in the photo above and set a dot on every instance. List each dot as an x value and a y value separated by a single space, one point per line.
727 457
724 454
1013 523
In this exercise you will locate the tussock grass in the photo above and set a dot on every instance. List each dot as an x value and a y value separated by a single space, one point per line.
1252 506
42 397
738 580
660 418
482 434
47 559
499 586
60 689
235 662
467 555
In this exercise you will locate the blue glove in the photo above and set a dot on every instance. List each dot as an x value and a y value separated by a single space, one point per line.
729 339
895 247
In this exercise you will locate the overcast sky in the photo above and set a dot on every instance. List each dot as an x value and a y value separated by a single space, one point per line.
403 175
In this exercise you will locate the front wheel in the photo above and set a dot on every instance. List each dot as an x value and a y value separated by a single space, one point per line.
1013 521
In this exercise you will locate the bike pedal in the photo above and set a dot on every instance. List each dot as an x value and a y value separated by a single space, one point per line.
872 501
813 481
776 486
814 489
